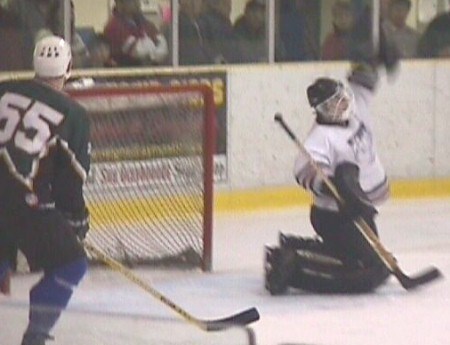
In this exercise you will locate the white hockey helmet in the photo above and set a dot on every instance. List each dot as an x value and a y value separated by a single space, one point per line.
52 58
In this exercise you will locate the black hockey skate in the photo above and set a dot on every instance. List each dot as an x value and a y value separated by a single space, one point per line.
279 266
35 338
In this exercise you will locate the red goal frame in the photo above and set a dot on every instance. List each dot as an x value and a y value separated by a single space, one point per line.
209 144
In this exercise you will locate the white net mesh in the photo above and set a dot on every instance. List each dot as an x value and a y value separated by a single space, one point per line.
146 188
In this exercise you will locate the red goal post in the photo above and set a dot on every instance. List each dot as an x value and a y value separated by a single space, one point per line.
150 188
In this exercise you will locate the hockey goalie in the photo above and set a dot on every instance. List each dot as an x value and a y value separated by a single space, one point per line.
341 145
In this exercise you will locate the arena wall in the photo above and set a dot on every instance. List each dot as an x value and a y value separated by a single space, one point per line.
411 114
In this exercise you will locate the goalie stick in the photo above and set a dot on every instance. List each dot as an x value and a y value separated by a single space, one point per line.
242 318
407 282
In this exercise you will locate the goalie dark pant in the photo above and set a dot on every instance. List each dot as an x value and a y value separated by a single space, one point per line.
361 269
49 244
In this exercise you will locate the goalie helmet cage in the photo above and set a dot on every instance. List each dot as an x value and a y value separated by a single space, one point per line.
150 186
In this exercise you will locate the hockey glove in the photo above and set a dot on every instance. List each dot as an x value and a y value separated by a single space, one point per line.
79 223
363 74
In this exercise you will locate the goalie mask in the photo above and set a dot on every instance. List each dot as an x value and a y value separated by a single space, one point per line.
331 100
52 58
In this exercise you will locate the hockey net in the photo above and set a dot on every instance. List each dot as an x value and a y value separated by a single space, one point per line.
150 187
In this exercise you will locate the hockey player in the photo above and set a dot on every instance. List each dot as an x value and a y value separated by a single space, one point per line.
341 143
44 160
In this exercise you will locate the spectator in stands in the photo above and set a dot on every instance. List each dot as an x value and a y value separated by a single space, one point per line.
100 53
361 45
295 35
435 41
134 40
191 50
37 19
292 31
80 52
336 44
7 18
41 18
11 56
250 30
396 28
220 41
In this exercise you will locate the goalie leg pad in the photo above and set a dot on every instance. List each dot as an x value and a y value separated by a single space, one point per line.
279 267
363 280
318 270
341 237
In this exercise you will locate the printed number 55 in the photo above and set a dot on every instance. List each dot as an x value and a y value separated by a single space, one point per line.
35 120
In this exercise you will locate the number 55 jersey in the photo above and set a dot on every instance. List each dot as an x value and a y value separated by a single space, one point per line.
44 147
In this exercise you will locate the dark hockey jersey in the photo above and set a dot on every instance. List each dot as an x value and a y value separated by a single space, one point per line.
44 147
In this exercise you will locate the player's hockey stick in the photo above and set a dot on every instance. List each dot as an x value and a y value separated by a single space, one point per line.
388 259
242 318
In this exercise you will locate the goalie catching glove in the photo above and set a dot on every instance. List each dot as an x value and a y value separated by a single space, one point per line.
79 222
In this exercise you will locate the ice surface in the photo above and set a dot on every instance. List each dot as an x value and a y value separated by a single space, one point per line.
418 232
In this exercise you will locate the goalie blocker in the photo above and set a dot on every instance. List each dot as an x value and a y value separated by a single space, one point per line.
341 261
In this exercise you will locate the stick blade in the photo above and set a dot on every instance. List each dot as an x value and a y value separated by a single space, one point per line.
425 277
240 319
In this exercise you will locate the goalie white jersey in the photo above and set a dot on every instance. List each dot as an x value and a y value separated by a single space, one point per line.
330 145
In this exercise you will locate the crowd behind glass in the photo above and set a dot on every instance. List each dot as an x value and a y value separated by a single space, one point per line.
203 32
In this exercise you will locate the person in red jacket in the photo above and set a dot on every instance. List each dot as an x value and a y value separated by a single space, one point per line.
134 40
335 46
